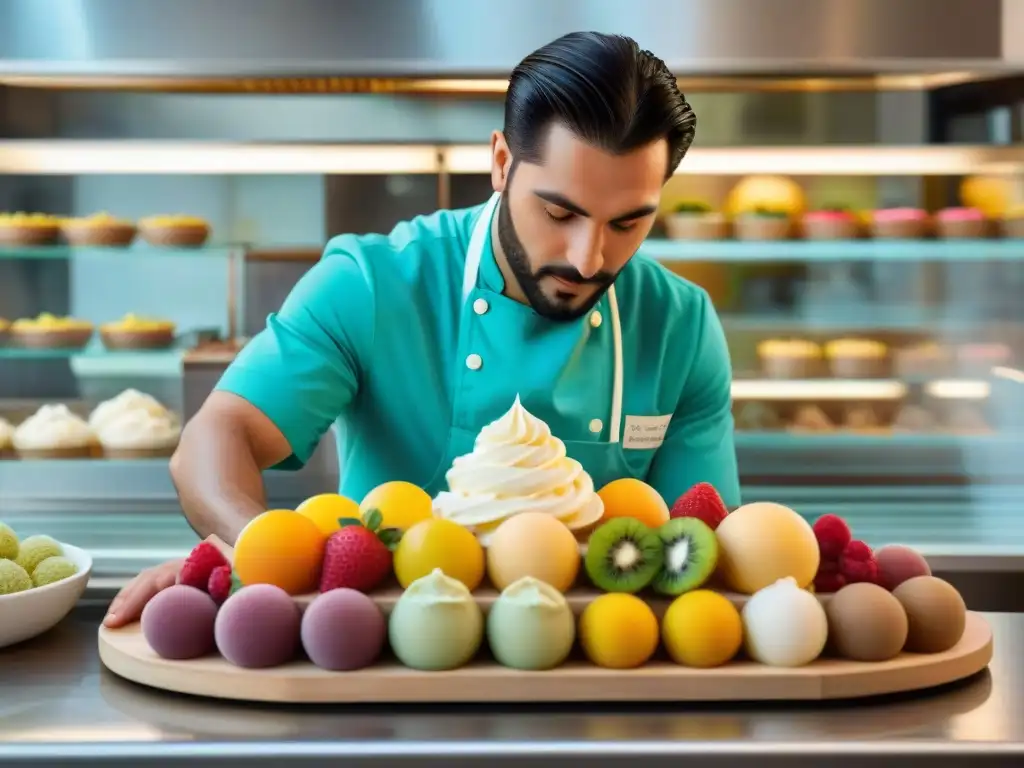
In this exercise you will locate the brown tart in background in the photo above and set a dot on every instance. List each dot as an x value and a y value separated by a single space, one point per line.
961 223
100 229
927 358
696 221
900 223
790 359
857 358
830 225
135 332
763 224
174 231
50 332
28 229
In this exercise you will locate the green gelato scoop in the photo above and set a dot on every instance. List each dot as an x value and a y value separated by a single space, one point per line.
53 569
35 549
8 542
13 578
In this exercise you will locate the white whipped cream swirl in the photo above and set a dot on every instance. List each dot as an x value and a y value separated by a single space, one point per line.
139 430
516 466
53 426
128 401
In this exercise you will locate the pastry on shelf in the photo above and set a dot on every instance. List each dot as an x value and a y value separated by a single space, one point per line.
757 417
914 418
6 438
763 224
961 223
174 231
966 418
54 432
1013 222
900 223
810 418
830 224
790 358
857 358
927 358
50 332
5 330
135 425
980 359
694 220
862 418
27 229
100 229
135 332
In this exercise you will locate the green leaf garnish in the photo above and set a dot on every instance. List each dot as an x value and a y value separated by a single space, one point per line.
390 537
236 584
344 522
373 519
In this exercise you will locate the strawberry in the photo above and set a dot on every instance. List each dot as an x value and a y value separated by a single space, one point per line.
221 584
358 556
196 570
833 534
857 563
703 502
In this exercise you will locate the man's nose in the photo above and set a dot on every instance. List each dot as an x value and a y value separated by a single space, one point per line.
586 252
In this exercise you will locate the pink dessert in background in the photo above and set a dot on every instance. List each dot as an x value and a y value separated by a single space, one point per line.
960 214
828 216
900 214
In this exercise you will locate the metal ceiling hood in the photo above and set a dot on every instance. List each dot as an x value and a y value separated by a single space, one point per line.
478 38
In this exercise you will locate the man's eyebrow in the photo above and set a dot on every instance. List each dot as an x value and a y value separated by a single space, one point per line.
563 202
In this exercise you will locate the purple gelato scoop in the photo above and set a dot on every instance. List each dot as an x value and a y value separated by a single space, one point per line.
178 623
343 630
258 626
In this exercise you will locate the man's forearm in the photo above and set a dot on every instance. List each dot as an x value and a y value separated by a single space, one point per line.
219 483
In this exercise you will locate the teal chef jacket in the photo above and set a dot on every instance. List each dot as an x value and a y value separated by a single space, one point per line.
407 343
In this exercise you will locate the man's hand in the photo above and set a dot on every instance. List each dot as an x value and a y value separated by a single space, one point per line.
129 602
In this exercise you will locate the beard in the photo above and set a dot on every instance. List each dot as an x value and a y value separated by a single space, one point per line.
560 308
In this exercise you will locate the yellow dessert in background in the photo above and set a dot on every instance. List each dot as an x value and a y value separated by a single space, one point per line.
48 322
27 229
49 331
137 332
176 230
989 194
28 220
775 193
102 219
857 358
790 358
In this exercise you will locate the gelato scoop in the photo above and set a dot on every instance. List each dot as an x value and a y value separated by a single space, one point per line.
52 570
258 627
13 578
342 630
516 466
178 623
866 623
531 626
784 625
35 549
936 614
436 624
8 542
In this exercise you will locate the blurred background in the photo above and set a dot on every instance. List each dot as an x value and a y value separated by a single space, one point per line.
854 203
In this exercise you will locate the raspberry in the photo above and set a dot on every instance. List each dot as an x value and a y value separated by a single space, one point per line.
858 564
220 583
196 570
833 534
829 579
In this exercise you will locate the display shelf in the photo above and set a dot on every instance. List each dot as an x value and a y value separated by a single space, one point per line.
90 352
136 251
806 251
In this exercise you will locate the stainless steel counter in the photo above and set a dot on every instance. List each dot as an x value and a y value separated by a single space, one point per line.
60 707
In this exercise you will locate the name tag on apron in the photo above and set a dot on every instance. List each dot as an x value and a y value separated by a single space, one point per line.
645 432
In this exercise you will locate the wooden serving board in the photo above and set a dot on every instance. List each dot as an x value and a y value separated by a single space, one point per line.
126 653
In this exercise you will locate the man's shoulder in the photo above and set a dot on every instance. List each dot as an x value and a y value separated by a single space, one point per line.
438 236
661 294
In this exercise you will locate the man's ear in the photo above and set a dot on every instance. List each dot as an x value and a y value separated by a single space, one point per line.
501 161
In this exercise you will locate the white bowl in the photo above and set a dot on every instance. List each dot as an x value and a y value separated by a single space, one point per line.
24 615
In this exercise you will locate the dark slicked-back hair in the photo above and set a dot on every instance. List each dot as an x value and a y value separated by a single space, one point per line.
605 90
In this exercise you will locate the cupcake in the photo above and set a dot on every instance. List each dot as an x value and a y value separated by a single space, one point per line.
100 229
900 223
696 221
174 231
50 332
6 438
857 358
129 401
28 229
861 418
914 418
790 358
830 224
138 434
961 223
134 332
1013 222
763 224
922 360
54 432
810 418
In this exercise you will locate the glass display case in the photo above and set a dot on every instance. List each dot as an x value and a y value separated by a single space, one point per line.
867 270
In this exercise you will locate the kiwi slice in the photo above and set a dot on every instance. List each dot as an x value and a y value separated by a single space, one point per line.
623 555
691 554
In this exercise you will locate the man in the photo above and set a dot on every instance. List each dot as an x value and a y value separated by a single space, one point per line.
415 340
